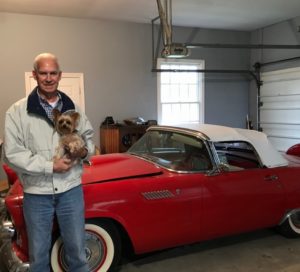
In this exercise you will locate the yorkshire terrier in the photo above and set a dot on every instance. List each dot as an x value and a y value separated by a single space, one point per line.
71 145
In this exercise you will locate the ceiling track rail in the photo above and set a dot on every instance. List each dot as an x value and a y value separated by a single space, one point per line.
220 71
165 31
254 74
242 46
278 61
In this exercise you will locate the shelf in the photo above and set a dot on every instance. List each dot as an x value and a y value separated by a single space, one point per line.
118 138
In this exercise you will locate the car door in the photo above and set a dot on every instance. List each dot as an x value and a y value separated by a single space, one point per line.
166 209
239 201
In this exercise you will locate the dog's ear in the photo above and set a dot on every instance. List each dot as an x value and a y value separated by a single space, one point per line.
75 116
56 114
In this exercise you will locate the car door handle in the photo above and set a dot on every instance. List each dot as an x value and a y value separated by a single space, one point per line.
271 177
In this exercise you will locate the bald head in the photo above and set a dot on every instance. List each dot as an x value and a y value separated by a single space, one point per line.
44 57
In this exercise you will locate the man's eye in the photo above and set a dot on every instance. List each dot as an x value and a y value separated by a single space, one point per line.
54 73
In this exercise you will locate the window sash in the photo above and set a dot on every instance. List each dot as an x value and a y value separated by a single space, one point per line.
180 94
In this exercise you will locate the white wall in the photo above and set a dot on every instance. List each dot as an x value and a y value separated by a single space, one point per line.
116 59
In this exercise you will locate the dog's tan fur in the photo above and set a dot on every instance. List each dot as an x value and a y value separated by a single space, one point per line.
71 144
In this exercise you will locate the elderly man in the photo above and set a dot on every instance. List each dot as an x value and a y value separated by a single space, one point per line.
51 186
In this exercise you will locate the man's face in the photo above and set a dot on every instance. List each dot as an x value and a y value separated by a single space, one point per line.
47 76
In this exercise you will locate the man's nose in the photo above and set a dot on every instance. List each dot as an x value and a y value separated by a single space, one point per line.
48 78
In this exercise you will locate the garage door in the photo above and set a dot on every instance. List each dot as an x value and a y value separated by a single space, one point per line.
280 107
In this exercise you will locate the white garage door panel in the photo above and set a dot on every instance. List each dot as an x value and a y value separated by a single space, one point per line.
283 144
280 107
290 131
288 101
280 116
283 87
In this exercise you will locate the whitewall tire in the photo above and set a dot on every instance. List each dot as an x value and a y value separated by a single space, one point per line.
291 226
103 248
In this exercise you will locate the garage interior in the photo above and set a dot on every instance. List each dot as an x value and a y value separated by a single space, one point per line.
251 51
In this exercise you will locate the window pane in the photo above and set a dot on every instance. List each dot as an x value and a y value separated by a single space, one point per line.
180 93
193 93
180 113
184 93
176 112
165 93
166 113
192 78
165 77
184 112
194 112
238 155
175 78
185 77
174 93
165 66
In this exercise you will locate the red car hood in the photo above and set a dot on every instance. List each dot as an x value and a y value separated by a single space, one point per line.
117 166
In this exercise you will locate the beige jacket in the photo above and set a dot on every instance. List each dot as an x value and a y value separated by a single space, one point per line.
30 143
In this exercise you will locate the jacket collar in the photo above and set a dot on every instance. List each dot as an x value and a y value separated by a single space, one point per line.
34 106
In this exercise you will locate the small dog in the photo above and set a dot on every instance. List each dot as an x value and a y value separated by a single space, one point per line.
71 145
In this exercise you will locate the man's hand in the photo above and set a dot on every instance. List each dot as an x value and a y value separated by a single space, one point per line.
61 165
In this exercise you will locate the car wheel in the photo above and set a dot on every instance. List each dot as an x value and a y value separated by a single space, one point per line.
291 226
103 248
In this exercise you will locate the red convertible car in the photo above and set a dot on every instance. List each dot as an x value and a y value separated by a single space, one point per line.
173 187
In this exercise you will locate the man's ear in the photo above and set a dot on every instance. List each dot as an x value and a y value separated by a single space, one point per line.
59 74
34 74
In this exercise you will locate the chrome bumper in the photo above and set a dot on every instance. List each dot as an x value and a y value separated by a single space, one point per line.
9 262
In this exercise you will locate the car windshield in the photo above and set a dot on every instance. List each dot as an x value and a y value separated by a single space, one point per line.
173 150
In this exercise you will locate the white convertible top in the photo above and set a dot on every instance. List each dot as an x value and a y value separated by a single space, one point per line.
269 156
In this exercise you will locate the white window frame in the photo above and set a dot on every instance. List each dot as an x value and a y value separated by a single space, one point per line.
200 65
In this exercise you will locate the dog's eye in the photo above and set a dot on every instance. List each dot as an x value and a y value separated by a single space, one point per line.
60 121
68 122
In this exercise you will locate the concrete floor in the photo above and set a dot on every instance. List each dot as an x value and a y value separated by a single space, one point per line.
261 251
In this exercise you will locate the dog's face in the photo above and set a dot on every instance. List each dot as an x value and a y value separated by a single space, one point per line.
65 123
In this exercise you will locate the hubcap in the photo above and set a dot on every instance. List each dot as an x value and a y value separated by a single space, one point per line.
95 251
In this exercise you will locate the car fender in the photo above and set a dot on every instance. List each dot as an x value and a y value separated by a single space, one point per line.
294 150
119 222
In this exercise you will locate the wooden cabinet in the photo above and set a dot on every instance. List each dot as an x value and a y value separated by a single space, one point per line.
118 138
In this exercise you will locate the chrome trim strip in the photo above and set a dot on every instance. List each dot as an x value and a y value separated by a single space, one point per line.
181 130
